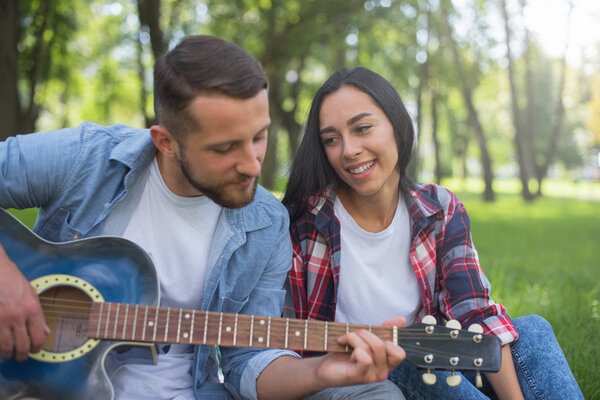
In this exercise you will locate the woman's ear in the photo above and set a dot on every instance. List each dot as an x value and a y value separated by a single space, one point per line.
164 141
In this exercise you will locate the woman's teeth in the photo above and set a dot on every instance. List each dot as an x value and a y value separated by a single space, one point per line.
362 168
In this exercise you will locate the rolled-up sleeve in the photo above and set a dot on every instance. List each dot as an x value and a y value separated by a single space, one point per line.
465 293
34 167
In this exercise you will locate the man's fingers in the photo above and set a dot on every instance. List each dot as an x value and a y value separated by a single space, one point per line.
396 321
395 355
22 344
6 342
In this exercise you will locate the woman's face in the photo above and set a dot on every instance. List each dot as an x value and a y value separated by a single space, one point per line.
359 141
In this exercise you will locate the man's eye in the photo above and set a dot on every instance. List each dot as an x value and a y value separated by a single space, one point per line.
223 149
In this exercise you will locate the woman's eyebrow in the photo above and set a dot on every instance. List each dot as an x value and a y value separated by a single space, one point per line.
357 117
349 122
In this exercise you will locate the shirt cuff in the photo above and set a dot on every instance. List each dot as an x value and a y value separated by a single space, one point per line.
255 367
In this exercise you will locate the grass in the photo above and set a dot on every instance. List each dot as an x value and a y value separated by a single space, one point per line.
541 258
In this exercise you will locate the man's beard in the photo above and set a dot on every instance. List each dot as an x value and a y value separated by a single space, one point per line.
216 191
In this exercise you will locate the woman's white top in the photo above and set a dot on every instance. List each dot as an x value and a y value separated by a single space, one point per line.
377 280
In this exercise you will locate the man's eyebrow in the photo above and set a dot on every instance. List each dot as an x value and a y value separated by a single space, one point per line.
227 142
349 122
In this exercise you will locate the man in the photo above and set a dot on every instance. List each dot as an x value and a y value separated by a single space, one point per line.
185 191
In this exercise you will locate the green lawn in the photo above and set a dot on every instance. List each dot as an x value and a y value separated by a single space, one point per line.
541 258
544 258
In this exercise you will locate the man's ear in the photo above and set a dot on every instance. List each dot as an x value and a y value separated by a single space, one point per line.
164 141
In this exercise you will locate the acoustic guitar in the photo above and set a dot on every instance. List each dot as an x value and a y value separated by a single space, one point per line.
101 294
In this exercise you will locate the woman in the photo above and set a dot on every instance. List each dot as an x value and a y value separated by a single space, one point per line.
369 244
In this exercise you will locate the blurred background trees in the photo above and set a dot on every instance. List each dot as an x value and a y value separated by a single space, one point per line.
488 98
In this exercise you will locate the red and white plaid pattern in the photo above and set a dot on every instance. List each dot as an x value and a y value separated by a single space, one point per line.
445 261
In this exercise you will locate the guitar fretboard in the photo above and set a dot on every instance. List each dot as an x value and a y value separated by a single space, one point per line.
129 322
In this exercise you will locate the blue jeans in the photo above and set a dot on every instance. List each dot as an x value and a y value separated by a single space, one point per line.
541 367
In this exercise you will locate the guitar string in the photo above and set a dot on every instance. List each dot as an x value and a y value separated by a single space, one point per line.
408 346
86 309
335 330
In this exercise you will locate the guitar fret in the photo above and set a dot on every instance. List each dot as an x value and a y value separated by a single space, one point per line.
107 320
347 330
305 333
116 321
155 324
220 326
235 329
144 326
205 326
395 335
134 322
251 329
325 339
269 331
99 320
125 320
179 325
167 324
287 327
192 326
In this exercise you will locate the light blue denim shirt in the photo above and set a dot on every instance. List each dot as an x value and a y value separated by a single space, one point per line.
77 176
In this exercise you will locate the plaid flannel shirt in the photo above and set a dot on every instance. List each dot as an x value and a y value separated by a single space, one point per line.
445 261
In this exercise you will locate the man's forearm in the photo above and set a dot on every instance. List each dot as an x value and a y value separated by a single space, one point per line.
288 378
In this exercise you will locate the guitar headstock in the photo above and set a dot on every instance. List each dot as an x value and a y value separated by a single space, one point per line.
449 347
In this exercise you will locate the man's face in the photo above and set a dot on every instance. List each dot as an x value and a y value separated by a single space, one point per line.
223 159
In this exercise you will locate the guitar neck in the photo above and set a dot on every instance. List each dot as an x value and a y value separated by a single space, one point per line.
136 323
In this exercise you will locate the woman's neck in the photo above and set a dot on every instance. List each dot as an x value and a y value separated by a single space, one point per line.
372 213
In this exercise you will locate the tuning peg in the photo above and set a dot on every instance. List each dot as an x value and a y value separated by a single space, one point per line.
478 380
475 328
453 324
429 320
453 380
429 378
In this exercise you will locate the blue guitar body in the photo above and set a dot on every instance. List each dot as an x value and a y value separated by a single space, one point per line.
114 268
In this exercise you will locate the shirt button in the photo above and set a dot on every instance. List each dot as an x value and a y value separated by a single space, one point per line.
75 236
106 205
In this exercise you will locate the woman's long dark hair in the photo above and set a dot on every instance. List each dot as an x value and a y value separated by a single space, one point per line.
311 171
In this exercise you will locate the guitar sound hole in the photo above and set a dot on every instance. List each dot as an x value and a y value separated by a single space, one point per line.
66 310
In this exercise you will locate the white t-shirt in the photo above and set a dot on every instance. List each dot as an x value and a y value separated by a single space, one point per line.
177 232
377 280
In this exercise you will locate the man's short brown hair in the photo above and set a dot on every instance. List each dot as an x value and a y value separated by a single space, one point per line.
201 65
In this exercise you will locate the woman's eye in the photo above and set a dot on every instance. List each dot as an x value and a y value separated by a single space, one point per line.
328 141
362 128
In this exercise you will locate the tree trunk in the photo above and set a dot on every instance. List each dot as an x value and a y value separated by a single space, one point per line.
559 113
149 14
473 117
10 107
434 136
519 139
528 123
269 167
